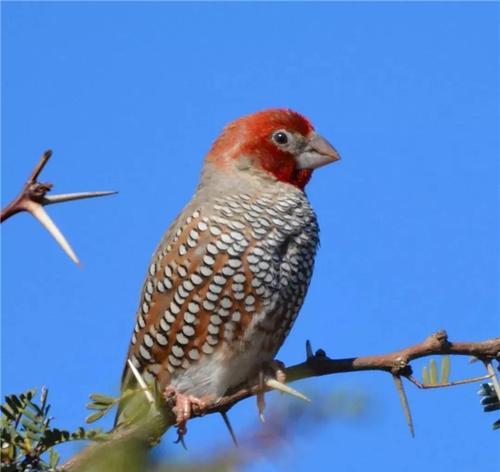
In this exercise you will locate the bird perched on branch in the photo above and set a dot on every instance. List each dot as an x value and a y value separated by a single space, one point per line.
229 276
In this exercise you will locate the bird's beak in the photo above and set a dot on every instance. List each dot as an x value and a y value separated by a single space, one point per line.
318 152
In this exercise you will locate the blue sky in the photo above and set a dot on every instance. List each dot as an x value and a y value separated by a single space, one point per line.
130 96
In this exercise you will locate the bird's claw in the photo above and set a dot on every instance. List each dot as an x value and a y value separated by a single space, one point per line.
183 409
277 368
273 370
276 381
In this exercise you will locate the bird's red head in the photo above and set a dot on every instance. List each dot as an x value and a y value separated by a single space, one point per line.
279 141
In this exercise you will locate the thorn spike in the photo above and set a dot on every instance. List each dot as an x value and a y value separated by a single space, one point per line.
68 197
404 403
261 402
494 378
273 383
141 382
309 351
225 417
41 215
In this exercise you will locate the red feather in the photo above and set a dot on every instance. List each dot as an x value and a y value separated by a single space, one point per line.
251 136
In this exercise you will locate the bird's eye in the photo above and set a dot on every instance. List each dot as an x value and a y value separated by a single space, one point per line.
280 137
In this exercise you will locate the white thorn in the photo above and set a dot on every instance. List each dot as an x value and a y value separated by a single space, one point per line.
273 383
141 382
40 214
68 197
494 378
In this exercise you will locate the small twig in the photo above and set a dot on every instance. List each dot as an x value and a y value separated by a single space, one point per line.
404 403
39 167
33 197
415 382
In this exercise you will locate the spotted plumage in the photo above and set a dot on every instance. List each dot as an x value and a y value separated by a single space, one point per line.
228 278
231 280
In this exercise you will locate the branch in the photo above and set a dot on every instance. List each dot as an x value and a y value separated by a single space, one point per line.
33 197
396 363
32 191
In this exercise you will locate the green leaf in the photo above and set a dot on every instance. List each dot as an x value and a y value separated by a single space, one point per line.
32 426
33 409
53 458
433 372
445 370
98 406
96 434
103 399
14 403
33 436
80 433
425 376
8 412
32 416
94 417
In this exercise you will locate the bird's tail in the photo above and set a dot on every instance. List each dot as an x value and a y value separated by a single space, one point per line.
128 383
138 399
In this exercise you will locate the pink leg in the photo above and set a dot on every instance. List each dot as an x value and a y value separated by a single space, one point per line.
276 368
183 408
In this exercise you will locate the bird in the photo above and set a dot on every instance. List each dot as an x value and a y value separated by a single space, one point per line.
230 274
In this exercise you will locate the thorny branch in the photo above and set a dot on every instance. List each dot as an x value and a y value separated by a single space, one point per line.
33 197
396 363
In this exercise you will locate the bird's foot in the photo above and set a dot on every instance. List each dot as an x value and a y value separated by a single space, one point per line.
183 408
277 370
272 375
273 370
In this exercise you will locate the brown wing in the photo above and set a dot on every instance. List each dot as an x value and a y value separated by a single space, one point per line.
198 293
